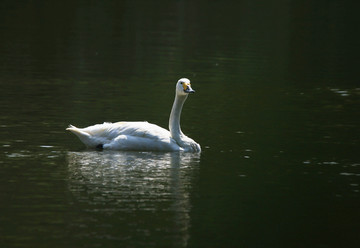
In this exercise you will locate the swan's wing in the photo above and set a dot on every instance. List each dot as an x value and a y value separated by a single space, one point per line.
135 129
127 136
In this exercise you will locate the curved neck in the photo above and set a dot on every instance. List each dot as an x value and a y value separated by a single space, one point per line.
174 121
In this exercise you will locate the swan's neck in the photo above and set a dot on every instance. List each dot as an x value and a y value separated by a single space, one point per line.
174 121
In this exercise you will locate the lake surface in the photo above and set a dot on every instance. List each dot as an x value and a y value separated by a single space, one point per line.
276 111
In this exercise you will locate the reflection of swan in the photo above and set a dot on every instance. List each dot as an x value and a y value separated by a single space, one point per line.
133 194
142 136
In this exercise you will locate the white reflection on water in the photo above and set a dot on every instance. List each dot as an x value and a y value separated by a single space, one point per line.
131 183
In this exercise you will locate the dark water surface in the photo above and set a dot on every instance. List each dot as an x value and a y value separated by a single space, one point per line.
276 112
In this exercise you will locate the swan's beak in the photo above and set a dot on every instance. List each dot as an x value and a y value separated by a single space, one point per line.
187 88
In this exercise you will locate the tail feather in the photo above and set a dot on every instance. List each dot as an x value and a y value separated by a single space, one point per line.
71 127
77 131
83 136
87 138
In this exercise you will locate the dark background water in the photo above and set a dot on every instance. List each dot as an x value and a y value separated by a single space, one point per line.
276 113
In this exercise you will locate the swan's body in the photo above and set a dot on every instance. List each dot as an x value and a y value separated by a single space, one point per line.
142 136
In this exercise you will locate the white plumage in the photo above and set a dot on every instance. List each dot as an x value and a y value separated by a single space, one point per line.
142 136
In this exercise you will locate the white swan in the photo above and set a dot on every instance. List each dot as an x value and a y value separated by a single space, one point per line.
142 136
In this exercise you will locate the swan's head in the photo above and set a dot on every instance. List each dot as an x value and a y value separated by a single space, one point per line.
183 87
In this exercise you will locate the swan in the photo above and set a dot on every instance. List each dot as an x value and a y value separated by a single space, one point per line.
141 135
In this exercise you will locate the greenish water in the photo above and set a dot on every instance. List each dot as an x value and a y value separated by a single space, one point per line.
275 111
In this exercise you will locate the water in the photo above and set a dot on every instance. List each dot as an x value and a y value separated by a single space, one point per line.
275 111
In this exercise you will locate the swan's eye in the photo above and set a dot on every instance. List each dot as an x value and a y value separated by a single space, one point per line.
181 82
185 85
